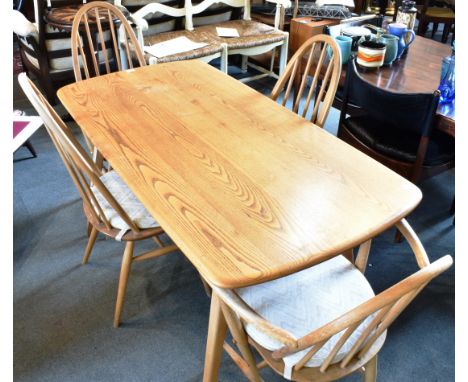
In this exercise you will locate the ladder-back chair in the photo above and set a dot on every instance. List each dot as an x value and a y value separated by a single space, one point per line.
109 205
320 58
101 28
319 324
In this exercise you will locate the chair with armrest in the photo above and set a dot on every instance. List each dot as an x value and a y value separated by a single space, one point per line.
320 58
396 129
147 37
255 38
319 324
109 205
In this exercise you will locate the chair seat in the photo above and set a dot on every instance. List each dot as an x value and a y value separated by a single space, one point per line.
440 12
307 300
196 35
401 144
127 200
251 34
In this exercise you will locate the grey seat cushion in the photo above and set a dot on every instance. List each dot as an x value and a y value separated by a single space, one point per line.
307 300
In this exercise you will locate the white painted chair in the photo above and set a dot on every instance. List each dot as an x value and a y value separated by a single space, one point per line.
254 37
319 324
213 49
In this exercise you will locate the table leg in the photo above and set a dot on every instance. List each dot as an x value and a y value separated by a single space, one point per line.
214 344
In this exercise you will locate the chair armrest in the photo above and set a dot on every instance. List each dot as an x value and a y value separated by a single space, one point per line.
22 26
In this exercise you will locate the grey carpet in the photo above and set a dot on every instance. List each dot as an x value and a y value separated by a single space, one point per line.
63 311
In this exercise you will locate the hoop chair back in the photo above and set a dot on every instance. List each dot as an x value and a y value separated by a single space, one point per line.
321 56
364 327
102 28
83 171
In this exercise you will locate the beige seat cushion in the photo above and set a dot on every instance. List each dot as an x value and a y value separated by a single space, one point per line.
196 35
127 200
252 34
305 301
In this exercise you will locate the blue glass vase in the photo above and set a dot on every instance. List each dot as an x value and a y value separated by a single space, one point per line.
447 84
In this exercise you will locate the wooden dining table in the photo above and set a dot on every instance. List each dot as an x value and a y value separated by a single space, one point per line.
247 189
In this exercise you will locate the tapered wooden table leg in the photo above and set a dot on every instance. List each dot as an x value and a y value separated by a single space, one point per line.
214 344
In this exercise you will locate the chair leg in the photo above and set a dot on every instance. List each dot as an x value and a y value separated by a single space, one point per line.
398 237
224 59
244 63
30 147
90 245
283 57
242 342
370 375
422 27
207 287
445 33
217 329
435 26
124 272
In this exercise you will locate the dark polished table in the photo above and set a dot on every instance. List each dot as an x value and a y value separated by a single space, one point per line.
417 72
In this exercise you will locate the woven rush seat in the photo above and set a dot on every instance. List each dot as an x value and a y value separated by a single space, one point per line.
127 200
198 35
305 301
252 34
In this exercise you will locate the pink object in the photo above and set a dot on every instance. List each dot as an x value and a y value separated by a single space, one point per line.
19 126
23 128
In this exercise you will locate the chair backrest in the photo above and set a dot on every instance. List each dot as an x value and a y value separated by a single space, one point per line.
192 9
322 60
82 169
158 22
101 28
372 317
413 112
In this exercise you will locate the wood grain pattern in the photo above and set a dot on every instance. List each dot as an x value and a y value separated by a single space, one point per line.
248 190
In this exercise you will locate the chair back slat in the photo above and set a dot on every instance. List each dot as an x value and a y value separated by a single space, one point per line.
83 171
391 316
75 175
344 337
324 66
391 302
290 83
304 78
115 42
313 350
102 40
315 81
319 98
109 43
